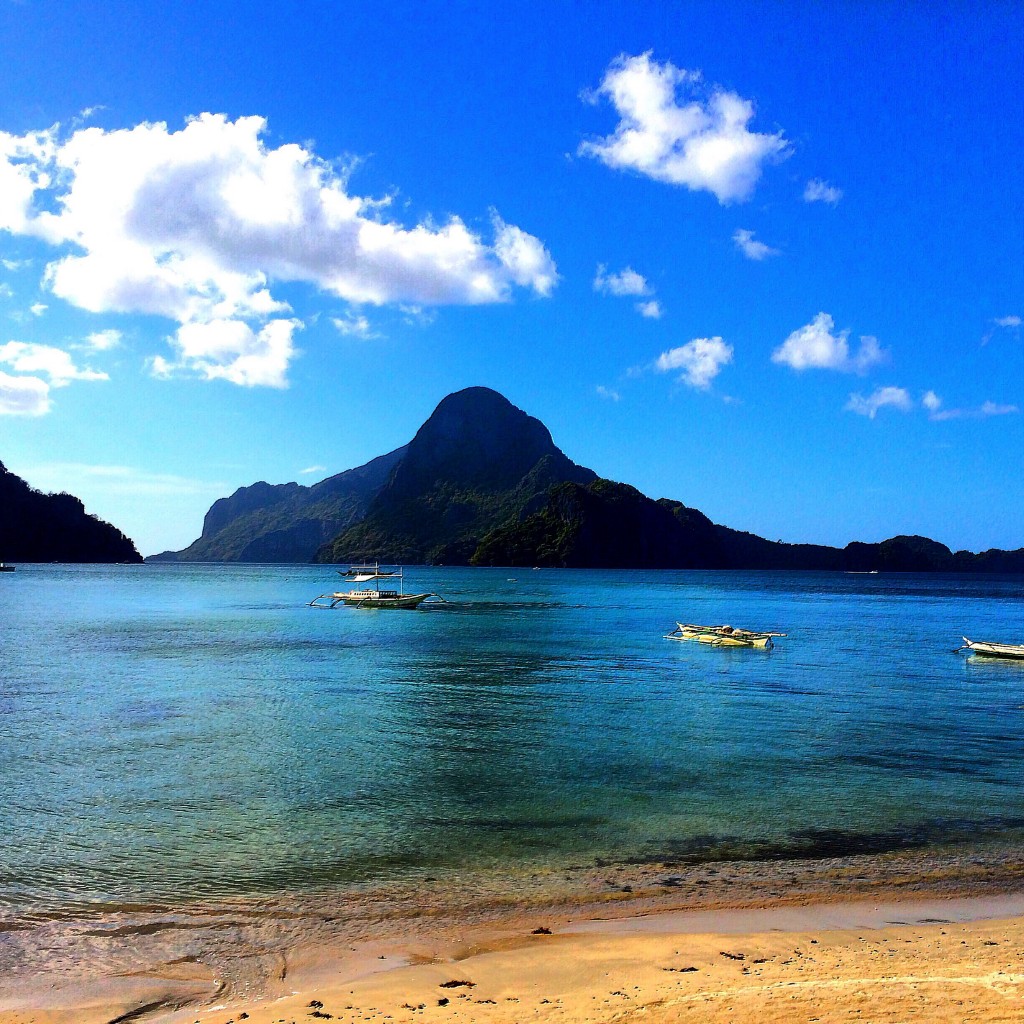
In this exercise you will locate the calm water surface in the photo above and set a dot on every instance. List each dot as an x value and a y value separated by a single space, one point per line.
178 732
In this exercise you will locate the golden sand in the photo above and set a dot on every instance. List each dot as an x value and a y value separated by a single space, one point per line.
757 967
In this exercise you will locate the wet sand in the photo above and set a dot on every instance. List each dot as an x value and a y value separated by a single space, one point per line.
936 936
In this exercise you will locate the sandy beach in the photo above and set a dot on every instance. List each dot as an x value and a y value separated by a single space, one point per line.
768 966
889 938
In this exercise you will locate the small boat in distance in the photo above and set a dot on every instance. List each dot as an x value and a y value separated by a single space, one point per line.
723 636
372 597
4 567
991 650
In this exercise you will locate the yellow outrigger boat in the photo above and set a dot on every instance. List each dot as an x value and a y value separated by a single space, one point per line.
722 636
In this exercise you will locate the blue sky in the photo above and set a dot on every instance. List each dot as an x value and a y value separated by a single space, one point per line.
766 259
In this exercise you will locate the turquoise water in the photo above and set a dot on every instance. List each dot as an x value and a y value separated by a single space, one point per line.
179 732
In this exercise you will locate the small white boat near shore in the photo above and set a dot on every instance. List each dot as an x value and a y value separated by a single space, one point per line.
993 650
722 636
372 597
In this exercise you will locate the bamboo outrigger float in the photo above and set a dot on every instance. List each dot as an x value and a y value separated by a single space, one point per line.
723 636
372 597
991 650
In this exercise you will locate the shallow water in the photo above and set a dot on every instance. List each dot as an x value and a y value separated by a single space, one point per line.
173 732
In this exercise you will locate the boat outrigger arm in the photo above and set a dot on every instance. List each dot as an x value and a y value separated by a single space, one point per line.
373 597
722 636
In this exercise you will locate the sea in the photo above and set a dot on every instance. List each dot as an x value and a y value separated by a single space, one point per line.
179 733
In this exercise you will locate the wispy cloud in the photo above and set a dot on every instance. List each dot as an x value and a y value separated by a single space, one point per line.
1002 323
309 470
817 346
625 282
354 325
750 247
608 393
700 360
880 398
102 341
933 404
54 363
628 282
818 191
119 480
675 129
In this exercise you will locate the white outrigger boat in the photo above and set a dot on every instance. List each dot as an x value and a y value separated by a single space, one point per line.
722 636
372 597
990 650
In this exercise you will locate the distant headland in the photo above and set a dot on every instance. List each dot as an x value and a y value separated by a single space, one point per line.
37 527
482 483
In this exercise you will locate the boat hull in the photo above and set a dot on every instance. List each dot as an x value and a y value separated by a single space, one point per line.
990 650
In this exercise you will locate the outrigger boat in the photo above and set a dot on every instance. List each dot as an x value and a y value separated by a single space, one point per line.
4 567
722 636
372 597
990 650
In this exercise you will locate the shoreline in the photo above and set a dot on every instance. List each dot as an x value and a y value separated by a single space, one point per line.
212 961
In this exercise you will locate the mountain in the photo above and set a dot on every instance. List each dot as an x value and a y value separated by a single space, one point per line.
476 463
37 527
285 522
483 483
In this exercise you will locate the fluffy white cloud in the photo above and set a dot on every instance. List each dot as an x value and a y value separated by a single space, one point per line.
931 401
818 191
1007 321
23 396
55 363
750 247
897 398
231 350
625 282
651 309
674 129
816 346
38 308
195 224
701 361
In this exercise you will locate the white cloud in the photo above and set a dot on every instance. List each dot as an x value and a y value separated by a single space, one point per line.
608 393
6 291
818 191
55 363
750 247
23 396
312 469
1007 321
815 346
38 309
701 360
118 480
14 264
625 282
231 350
674 129
984 411
897 398
195 224
628 282
102 341
931 401
354 325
